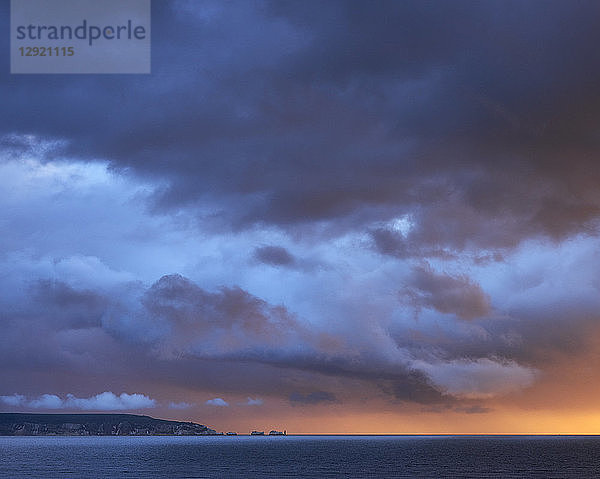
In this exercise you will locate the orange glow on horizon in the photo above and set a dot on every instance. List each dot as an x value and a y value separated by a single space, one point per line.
499 422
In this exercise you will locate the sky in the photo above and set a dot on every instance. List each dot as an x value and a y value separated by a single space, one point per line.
329 217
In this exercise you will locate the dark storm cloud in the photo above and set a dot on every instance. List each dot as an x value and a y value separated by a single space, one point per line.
77 308
351 110
447 294
274 255
414 386
183 335
393 243
179 334
178 319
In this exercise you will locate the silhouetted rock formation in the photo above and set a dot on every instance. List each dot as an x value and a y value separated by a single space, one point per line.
19 424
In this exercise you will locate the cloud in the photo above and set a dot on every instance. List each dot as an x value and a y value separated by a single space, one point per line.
78 308
253 402
391 242
14 400
47 401
314 397
274 255
447 294
414 386
217 402
178 316
106 401
478 379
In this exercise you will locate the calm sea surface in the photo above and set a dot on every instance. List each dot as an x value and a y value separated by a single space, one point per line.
300 456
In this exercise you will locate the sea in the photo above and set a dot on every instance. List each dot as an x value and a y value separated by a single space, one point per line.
300 457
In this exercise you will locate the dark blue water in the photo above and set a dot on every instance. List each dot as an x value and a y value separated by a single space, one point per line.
300 457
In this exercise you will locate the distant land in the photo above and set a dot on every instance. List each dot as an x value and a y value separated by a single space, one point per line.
23 424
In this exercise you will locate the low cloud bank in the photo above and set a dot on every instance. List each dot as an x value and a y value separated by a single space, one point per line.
106 401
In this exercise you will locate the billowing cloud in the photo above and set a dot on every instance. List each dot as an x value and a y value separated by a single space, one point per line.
13 400
106 401
479 379
177 316
217 402
47 401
